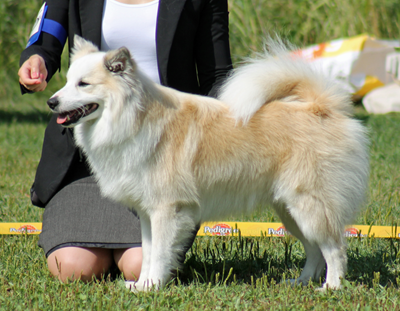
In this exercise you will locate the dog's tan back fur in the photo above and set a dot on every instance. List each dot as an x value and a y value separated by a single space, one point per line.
297 139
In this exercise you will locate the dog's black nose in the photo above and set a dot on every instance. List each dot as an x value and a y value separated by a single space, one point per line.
52 102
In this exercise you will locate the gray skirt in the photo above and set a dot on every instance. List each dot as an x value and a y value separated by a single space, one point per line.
78 215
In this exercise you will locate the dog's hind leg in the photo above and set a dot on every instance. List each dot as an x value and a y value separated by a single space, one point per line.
315 263
319 224
336 260
141 283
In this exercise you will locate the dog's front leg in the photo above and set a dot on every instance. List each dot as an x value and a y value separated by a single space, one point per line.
142 283
173 228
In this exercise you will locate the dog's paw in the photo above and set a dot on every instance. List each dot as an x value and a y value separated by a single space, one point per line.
295 282
326 286
140 286
131 285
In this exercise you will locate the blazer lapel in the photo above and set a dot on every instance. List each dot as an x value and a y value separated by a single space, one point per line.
91 13
167 21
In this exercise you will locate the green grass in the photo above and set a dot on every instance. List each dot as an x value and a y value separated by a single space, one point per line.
220 273
233 273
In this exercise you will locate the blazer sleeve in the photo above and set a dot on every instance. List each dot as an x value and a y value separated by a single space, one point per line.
48 46
212 51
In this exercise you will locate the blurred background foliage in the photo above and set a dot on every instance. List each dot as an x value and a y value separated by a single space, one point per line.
303 22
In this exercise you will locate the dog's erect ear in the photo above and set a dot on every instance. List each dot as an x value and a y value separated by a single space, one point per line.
119 60
82 47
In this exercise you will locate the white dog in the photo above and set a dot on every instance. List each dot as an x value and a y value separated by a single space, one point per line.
280 134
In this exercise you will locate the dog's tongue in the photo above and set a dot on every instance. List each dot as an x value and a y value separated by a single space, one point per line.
66 116
61 118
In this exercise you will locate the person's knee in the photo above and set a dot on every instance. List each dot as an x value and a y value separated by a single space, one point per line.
79 263
129 262
131 270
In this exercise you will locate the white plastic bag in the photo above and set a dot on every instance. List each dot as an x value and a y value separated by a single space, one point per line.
357 63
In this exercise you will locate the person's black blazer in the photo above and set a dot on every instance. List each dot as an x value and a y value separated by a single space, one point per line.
192 41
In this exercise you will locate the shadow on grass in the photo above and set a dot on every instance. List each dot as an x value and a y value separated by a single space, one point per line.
374 261
212 263
360 113
243 260
248 262
362 117
35 116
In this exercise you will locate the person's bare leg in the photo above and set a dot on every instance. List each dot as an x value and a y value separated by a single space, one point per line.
79 263
129 262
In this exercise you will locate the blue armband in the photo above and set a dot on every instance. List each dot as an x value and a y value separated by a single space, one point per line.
49 26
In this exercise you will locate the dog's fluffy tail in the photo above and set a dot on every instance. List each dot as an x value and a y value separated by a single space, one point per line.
280 74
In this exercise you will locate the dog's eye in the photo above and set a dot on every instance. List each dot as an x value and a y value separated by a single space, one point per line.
82 84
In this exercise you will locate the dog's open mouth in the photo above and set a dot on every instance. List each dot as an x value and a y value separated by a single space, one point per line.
73 116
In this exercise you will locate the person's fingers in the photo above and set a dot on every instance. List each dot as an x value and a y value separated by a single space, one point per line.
33 74
39 87
24 74
38 67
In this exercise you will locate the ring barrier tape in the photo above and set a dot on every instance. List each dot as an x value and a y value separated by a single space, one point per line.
230 228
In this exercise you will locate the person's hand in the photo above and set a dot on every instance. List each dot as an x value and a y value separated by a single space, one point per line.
33 74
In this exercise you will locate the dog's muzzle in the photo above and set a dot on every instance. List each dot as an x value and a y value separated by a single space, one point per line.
70 118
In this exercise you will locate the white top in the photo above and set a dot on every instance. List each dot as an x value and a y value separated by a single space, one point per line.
132 26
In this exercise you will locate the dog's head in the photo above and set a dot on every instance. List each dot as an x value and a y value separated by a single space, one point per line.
92 79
